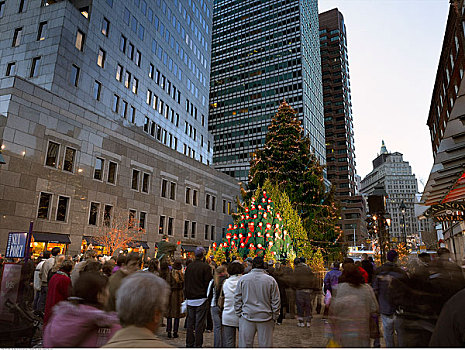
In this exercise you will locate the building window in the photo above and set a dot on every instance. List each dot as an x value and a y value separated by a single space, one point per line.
142 218
122 43
112 168
229 208
213 203
170 226
84 11
207 231
2 8
135 85
173 191
68 162
135 180
52 154
161 227
133 115
207 201
98 169
44 205
115 106
194 229
101 58
151 70
186 229
137 59
188 195
119 72
212 233
107 215
42 31
224 206
34 67
127 79
164 188
93 213
97 90
80 37
17 37
131 51
194 198
10 69
124 109
145 182
62 208
74 77
105 26
131 218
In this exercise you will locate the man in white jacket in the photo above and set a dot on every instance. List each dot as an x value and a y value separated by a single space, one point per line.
229 318
257 305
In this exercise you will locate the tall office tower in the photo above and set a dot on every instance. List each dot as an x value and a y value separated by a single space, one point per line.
104 105
340 149
262 53
395 175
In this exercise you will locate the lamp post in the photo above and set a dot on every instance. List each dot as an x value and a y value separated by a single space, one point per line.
402 208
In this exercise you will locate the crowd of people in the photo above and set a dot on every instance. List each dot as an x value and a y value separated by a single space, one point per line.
122 301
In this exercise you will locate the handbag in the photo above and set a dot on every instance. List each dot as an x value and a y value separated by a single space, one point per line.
374 326
221 300
327 298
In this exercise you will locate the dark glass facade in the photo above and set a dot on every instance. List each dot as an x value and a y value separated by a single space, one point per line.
262 52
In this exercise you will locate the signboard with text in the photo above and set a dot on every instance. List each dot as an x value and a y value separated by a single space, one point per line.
9 287
16 245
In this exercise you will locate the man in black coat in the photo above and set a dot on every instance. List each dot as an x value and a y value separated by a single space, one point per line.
196 279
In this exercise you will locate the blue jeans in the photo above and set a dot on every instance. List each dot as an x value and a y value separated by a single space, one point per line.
388 329
42 298
217 326
196 322
229 336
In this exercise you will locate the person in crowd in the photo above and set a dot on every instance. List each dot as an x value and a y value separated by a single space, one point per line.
89 255
154 266
81 321
368 267
59 287
131 265
37 281
214 292
425 258
449 331
197 277
247 265
108 266
93 266
330 283
304 283
56 266
43 274
173 312
358 264
140 311
257 304
229 319
352 306
278 275
288 272
382 281
166 249
120 261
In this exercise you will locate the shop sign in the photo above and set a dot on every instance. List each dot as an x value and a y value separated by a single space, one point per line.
9 289
16 245
450 217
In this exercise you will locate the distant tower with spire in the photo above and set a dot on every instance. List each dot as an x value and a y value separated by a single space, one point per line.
383 148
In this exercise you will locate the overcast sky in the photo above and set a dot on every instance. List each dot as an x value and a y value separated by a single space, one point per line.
394 48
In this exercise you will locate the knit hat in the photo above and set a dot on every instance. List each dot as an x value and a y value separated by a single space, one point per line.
199 252
392 255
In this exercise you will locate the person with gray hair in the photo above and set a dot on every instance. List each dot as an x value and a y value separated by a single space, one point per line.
140 303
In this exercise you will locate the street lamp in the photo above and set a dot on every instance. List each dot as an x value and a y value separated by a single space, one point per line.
402 208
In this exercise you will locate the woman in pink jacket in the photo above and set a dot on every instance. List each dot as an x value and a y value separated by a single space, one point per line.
81 321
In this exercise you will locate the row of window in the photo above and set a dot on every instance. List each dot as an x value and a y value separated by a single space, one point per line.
130 82
128 48
163 109
164 83
161 134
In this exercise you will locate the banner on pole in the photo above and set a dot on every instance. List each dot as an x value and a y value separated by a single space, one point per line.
16 245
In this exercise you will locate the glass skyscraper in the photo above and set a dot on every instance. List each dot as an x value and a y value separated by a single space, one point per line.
262 53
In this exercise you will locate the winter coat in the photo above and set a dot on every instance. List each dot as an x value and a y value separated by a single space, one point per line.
196 279
350 312
303 278
229 317
135 337
331 279
37 281
59 289
114 283
72 326
176 281
383 287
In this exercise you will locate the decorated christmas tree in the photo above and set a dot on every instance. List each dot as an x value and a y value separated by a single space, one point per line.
258 232
287 160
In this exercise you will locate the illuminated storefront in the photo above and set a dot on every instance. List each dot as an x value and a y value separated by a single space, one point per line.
90 243
42 241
